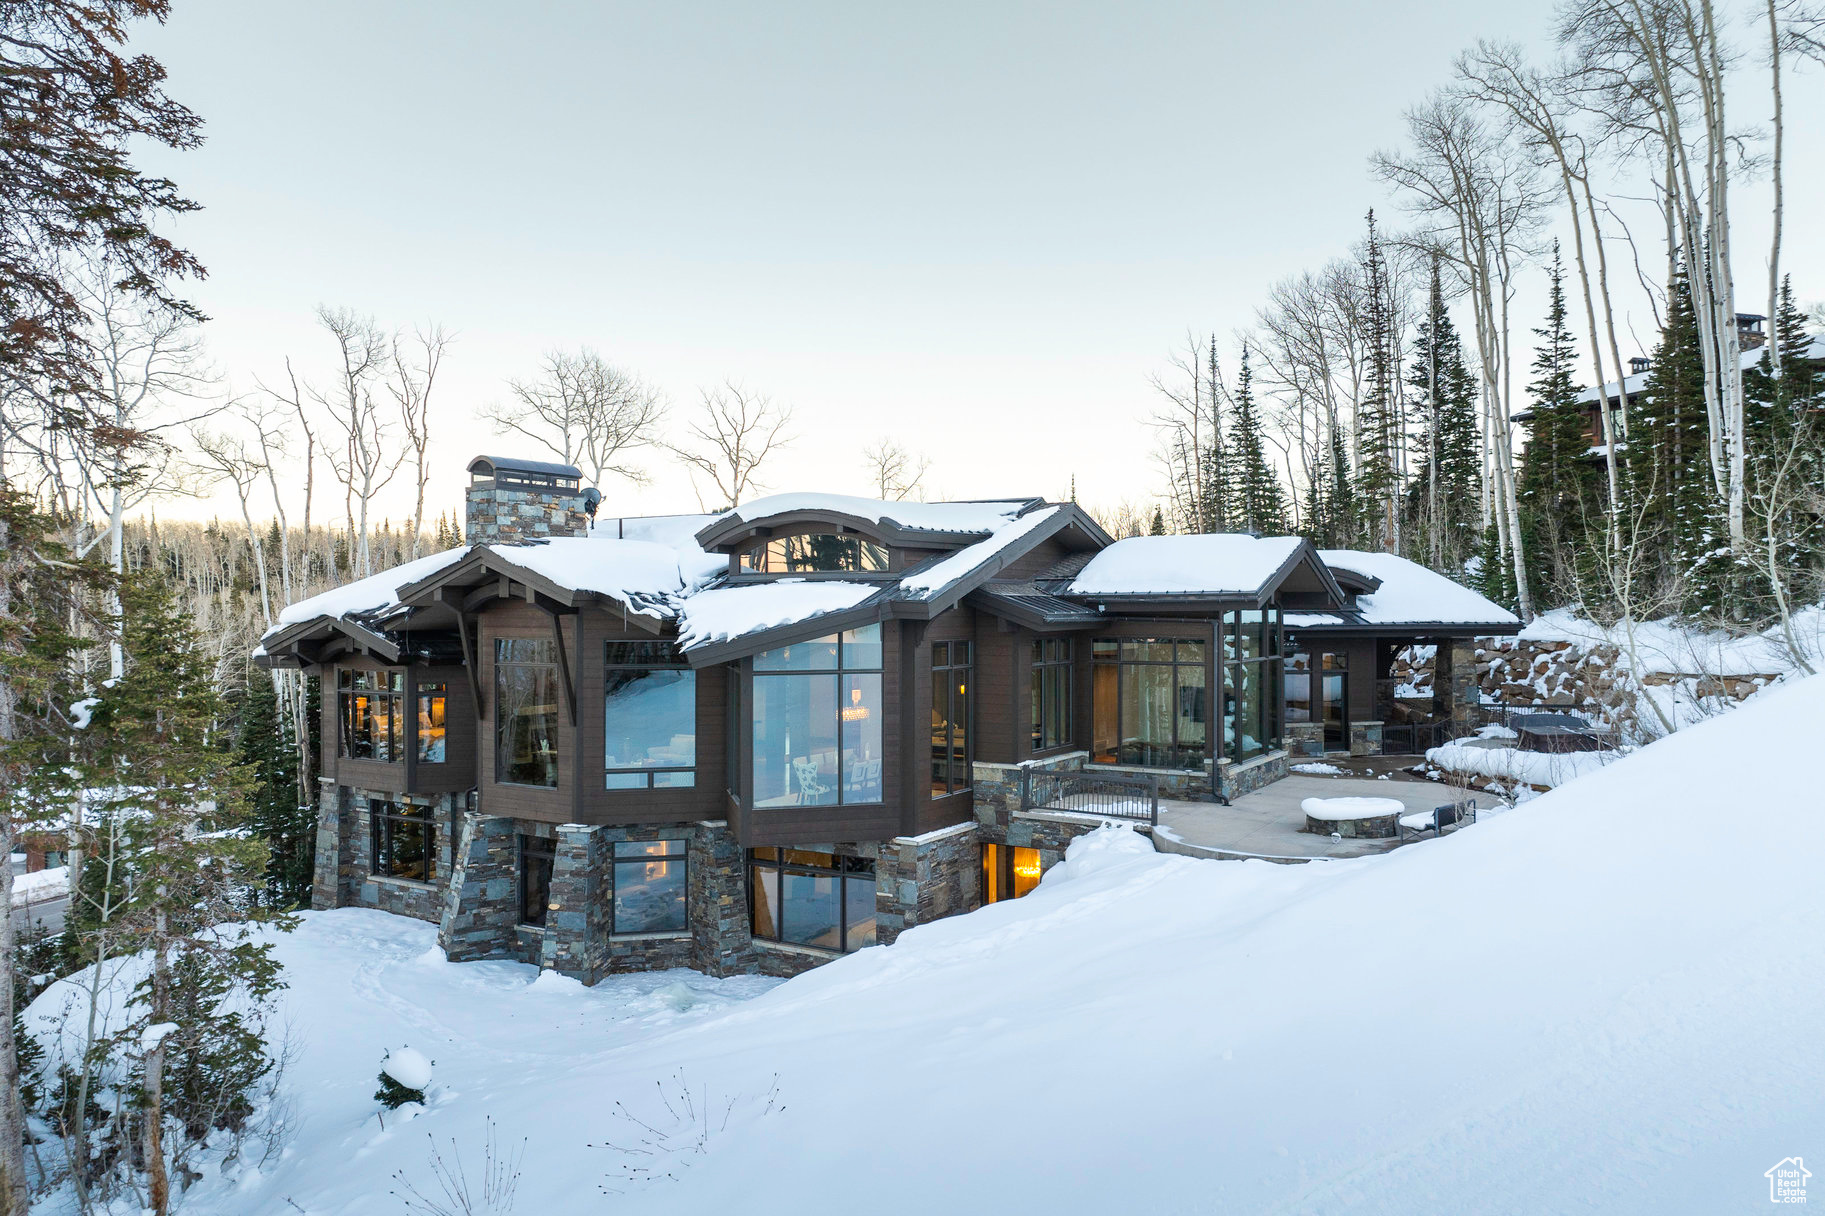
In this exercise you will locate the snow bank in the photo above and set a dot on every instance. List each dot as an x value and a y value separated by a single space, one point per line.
1220 564
724 613
1669 646
1605 1000
1544 769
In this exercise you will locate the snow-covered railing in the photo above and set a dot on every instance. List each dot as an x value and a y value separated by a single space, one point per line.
1087 792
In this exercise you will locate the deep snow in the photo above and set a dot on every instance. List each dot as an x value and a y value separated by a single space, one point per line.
1606 1000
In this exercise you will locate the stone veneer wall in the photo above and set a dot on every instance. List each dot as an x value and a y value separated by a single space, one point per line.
508 516
344 855
481 906
1235 780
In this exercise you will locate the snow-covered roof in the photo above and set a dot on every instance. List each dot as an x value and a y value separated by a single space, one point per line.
1214 564
948 569
369 596
723 614
1409 594
645 575
965 517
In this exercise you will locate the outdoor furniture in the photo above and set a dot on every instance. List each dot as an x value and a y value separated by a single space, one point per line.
1438 818
1371 818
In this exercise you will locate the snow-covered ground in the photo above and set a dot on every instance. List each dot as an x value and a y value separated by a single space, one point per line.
1547 770
1605 1000
40 885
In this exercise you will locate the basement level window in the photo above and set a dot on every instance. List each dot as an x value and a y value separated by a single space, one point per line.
806 898
403 840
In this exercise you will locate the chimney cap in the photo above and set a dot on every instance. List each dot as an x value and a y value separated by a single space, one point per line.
538 472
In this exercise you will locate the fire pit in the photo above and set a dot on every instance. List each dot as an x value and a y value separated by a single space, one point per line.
1374 818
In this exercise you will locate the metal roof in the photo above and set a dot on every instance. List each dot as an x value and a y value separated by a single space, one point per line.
513 464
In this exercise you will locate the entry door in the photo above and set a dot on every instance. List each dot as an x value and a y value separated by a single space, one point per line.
1336 710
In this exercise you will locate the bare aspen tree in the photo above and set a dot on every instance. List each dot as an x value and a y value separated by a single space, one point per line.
586 412
226 457
1497 75
734 432
414 376
1657 70
893 472
1480 197
364 465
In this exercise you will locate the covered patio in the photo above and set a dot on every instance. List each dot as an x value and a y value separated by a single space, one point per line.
1269 823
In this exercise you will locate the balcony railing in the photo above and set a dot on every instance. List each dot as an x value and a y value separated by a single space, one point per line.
1108 795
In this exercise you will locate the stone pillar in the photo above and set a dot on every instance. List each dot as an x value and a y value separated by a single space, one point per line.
480 908
333 863
721 941
577 926
919 879
1455 679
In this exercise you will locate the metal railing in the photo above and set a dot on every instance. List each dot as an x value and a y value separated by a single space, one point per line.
1414 738
1085 792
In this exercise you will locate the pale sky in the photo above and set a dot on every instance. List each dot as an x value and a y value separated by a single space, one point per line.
977 228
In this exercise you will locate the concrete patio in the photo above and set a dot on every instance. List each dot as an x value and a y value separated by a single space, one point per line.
1266 824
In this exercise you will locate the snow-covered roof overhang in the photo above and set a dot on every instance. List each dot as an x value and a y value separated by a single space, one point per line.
1406 597
1219 568
648 579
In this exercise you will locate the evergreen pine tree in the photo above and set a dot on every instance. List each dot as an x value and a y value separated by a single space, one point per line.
268 751
1377 420
180 880
1158 527
1785 424
1257 501
1673 509
1445 497
1558 489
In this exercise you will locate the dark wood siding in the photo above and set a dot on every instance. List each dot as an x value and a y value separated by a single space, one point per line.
457 771
1045 554
1001 663
518 620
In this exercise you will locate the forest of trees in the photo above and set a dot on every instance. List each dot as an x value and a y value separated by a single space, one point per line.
1360 413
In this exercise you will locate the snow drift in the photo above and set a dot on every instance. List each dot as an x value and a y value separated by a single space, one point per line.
1605 1000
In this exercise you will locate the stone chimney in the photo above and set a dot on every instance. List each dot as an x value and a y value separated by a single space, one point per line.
511 501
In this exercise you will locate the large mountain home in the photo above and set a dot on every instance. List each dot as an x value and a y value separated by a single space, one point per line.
757 740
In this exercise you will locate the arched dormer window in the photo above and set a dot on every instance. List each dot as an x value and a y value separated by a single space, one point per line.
816 553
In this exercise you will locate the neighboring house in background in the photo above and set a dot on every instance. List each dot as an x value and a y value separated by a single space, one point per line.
1750 337
757 740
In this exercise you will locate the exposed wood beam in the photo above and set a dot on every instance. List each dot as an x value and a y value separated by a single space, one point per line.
473 662
570 688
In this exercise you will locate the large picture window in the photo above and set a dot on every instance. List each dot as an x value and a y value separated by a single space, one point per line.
812 899
951 667
403 839
371 725
817 554
1148 698
526 711
432 734
649 717
1251 683
1051 693
817 721
649 886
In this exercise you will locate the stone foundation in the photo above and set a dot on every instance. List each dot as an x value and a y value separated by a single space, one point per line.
1304 738
342 875
919 879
